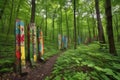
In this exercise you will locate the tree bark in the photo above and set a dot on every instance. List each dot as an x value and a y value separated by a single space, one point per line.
46 23
108 13
75 38
61 21
89 31
53 27
94 22
66 16
99 23
117 27
33 12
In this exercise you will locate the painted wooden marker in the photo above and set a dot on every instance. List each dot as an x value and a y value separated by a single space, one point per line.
40 43
22 44
34 43
18 54
59 41
33 48
65 42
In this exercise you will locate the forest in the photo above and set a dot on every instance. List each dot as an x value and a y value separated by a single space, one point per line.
59 40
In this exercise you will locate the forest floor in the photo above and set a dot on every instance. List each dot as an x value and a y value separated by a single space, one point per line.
39 72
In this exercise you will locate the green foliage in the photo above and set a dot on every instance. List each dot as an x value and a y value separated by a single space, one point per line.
50 49
6 53
86 63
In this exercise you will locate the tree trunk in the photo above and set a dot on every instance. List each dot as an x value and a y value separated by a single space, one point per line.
108 13
117 27
99 24
46 24
61 21
32 21
66 16
75 40
53 27
89 38
78 24
33 12
94 22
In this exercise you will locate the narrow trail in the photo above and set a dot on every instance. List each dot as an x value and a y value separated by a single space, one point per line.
41 70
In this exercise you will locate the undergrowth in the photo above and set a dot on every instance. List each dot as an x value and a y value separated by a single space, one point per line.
87 63
7 52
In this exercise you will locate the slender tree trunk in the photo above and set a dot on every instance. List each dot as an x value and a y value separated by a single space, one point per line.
75 38
99 23
59 27
108 13
32 20
78 26
61 22
89 31
46 24
53 28
94 22
66 16
117 26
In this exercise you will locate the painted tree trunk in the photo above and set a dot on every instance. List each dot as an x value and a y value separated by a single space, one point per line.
18 54
59 41
33 50
34 43
20 46
65 42
40 44
28 43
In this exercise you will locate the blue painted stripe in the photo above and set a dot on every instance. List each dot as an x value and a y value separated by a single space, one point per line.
21 23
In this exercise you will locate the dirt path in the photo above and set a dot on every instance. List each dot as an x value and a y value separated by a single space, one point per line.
42 70
37 73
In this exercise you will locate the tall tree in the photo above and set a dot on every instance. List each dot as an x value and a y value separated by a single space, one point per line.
46 20
75 35
61 19
108 13
33 12
67 27
99 23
